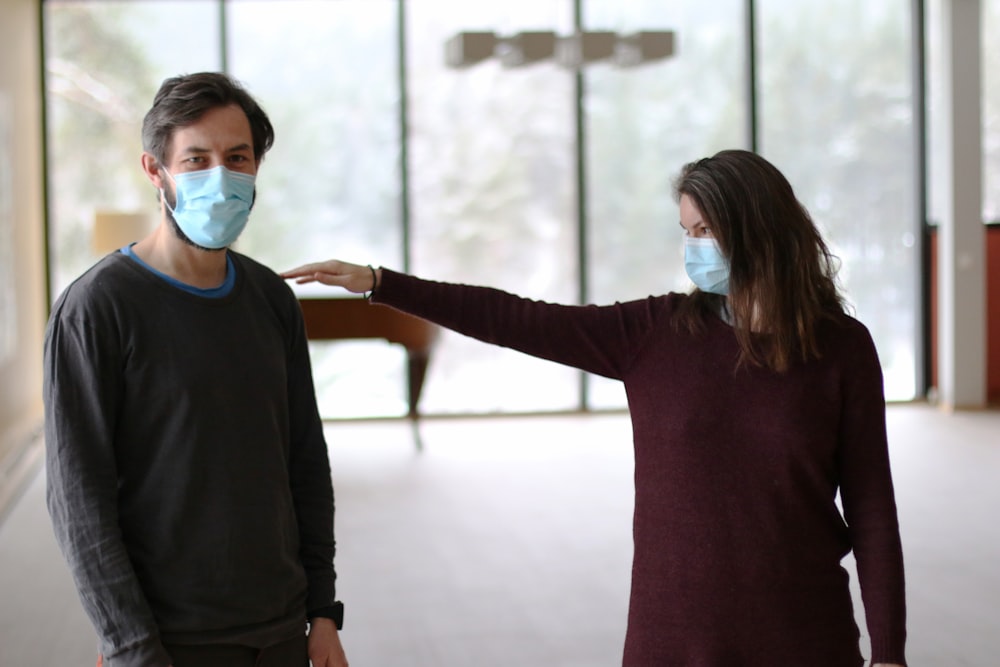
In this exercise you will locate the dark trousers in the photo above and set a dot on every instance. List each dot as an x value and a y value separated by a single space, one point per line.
291 653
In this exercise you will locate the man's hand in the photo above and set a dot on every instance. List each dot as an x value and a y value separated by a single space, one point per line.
324 644
352 277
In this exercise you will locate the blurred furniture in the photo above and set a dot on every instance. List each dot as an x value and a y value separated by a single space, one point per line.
353 318
115 229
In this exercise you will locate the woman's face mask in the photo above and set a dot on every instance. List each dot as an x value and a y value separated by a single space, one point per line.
705 265
212 205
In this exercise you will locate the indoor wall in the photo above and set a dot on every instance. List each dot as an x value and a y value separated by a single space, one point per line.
22 256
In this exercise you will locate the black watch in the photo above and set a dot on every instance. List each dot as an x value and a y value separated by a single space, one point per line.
334 612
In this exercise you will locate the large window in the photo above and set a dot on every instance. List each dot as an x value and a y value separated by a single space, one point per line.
492 193
642 125
104 62
836 115
490 190
331 184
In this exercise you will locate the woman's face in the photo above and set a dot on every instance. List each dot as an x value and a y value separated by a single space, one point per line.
692 220
703 259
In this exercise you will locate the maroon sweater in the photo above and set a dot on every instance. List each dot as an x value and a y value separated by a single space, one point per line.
738 535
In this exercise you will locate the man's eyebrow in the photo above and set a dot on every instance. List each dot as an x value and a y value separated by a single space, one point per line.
233 149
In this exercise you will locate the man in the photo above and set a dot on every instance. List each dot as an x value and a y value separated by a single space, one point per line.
189 483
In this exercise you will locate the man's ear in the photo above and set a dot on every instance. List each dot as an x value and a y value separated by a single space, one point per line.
151 167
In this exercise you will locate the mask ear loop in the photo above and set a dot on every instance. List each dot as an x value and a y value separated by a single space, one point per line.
163 195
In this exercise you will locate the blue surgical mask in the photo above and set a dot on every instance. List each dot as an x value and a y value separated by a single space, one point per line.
705 265
212 205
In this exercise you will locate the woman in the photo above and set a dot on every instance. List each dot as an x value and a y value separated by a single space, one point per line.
754 400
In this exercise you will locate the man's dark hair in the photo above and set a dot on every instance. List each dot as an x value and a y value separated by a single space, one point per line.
182 100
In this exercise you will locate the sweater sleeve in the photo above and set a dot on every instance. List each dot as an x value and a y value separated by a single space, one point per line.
82 378
869 504
600 339
309 471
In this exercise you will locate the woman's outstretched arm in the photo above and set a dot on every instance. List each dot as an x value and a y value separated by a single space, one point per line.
603 340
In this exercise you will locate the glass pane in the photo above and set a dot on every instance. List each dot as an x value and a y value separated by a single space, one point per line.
331 183
330 187
991 110
836 117
359 378
493 194
934 104
104 62
642 125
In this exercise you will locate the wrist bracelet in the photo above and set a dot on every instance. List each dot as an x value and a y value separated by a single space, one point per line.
371 292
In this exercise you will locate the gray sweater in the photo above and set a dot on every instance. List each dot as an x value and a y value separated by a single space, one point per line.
188 477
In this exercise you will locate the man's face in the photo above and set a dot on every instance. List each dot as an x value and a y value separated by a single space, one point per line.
220 137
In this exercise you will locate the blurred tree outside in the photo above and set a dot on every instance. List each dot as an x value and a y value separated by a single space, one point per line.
331 184
837 118
99 84
643 125
493 193
104 61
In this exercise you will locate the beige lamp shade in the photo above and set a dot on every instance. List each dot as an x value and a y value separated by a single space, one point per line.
115 229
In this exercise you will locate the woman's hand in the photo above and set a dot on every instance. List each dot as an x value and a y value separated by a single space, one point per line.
352 277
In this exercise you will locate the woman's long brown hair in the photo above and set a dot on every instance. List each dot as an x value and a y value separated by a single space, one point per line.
782 281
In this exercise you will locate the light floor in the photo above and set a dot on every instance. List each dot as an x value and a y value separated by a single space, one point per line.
507 542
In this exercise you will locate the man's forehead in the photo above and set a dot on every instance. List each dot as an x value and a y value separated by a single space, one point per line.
221 128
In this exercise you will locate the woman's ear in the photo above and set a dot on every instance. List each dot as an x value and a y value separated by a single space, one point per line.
151 167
